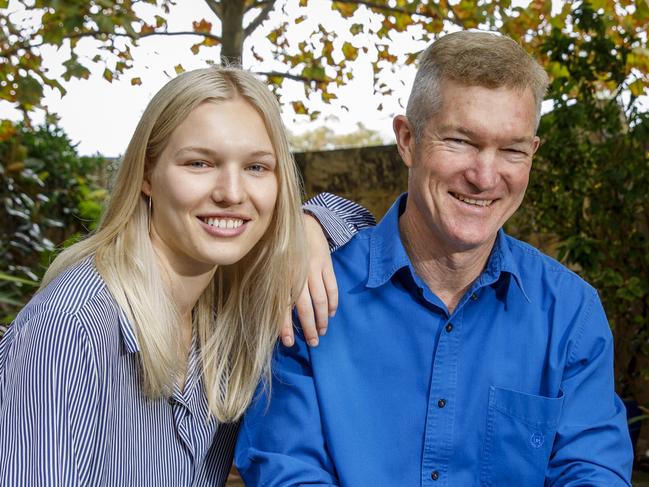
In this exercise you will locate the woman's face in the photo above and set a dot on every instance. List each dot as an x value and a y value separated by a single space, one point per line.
213 189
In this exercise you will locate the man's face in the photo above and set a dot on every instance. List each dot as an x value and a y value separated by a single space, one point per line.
469 171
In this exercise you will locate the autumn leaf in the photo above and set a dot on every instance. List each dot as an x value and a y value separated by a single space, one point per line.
356 29
638 88
203 26
136 81
146 29
179 69
327 97
108 75
299 108
346 9
349 51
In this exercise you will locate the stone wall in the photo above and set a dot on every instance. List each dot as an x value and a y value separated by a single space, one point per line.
371 176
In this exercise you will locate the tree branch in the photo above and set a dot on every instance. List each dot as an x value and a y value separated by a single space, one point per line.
181 33
401 10
78 35
216 7
261 16
385 8
295 77
258 4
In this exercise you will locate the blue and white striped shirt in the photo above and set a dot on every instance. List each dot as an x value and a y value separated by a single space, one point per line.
71 407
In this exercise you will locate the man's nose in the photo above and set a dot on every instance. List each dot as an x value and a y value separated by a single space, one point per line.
483 172
229 185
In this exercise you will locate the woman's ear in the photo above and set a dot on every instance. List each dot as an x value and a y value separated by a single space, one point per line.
146 187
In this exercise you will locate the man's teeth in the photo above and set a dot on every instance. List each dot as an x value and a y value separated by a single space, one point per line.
472 201
223 222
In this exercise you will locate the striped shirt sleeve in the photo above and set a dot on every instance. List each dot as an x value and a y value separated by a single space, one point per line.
48 407
340 218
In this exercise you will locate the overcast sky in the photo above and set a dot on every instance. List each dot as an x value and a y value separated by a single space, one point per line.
101 116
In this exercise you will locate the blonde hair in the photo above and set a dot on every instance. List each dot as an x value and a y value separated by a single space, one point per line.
237 318
471 58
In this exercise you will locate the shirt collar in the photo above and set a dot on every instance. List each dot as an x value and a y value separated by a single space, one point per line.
501 261
128 335
388 255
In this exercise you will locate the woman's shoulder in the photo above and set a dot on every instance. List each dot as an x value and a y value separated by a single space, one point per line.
77 301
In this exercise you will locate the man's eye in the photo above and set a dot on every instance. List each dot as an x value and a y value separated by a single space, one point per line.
516 152
457 141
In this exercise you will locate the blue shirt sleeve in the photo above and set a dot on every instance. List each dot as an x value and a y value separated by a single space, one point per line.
48 395
340 219
282 443
592 446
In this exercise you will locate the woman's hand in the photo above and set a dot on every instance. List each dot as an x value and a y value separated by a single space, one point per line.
319 298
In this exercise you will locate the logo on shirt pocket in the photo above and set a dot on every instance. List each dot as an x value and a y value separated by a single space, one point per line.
519 436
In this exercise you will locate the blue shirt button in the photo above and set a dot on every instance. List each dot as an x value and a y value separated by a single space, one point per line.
434 475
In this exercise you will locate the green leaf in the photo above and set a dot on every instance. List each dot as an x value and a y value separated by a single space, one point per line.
349 51
356 29
19 280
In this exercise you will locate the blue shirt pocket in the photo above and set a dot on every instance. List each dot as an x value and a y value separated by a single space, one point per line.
518 438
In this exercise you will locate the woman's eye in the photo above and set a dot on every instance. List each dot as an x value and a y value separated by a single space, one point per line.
256 168
197 164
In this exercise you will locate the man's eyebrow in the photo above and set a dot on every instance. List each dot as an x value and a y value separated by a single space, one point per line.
474 135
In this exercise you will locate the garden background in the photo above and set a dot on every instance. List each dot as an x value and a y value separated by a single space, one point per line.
587 202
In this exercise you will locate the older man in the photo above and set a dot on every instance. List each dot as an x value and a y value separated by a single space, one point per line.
459 356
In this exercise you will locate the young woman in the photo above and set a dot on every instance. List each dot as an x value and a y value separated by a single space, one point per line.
146 341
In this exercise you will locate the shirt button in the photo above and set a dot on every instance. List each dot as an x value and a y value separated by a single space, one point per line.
434 475
441 403
474 297
449 327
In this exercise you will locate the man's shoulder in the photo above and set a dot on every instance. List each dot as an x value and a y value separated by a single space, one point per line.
537 267
355 252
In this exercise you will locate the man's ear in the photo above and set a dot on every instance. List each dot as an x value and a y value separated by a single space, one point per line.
405 138
536 143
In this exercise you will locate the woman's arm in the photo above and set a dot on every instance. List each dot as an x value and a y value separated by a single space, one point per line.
48 402
330 222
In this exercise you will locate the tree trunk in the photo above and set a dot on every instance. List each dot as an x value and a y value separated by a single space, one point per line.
232 36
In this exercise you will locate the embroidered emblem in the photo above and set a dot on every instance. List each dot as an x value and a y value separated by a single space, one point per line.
536 440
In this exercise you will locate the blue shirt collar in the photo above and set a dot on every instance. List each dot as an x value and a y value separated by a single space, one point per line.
128 334
388 255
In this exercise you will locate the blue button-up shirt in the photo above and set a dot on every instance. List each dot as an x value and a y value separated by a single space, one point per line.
514 388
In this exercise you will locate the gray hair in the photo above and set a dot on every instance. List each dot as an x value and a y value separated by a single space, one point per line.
471 58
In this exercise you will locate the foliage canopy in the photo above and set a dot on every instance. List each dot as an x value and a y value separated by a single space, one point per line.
322 60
